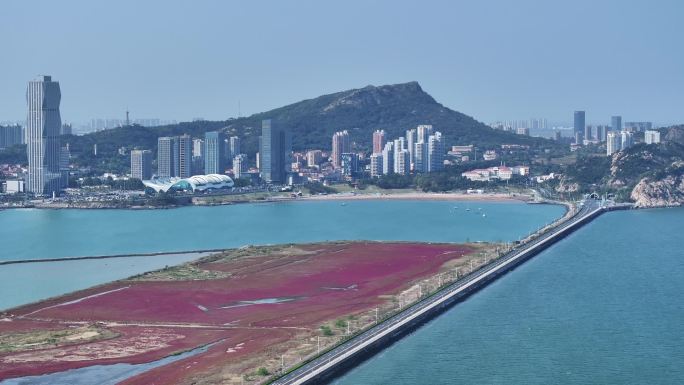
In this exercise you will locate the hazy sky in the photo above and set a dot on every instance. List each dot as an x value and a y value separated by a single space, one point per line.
489 59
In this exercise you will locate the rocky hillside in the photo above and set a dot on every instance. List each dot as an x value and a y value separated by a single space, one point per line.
649 175
653 173
667 191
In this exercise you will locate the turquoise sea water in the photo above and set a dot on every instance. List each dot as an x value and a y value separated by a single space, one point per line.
603 306
26 283
35 234
39 234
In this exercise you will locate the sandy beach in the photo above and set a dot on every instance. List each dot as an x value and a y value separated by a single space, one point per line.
423 196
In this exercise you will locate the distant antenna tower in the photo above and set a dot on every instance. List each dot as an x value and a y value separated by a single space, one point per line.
128 120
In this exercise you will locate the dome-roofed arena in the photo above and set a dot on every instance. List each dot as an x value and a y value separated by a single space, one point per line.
195 183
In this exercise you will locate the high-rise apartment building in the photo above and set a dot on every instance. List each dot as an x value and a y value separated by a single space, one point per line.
185 156
588 132
627 140
579 122
652 137
379 140
240 166
522 131
141 164
64 160
423 131
410 142
376 165
314 158
214 152
399 145
350 164
11 135
388 158
420 157
274 152
601 133
612 142
402 165
43 125
197 148
340 145
167 157
435 152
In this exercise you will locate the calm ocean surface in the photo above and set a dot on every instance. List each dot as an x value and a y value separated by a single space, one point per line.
603 306
39 234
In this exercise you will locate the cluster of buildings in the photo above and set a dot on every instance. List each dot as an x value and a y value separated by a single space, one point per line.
181 158
618 137
201 163
521 127
420 151
495 173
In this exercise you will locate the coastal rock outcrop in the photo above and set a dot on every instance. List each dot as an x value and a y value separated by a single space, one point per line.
665 192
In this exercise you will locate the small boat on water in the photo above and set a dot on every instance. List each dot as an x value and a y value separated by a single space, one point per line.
467 209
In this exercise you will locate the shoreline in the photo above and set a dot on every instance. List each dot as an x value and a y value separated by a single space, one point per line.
495 197
417 195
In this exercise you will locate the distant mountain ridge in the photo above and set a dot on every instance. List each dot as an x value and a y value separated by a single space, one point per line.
312 122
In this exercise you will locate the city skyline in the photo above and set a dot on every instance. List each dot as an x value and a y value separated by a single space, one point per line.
505 74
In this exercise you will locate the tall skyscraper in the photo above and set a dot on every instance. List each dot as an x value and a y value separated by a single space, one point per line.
379 139
612 142
185 156
43 125
587 132
274 152
214 153
167 156
579 122
616 123
340 145
235 146
141 164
